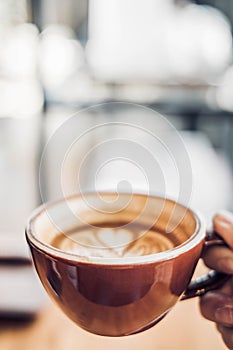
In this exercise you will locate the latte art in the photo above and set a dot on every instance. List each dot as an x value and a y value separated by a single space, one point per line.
113 242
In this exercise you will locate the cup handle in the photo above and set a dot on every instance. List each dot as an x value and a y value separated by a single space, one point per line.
213 279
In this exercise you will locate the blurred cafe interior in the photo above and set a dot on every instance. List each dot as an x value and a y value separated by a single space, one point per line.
57 58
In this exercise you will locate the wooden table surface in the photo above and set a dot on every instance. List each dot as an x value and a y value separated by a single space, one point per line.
182 329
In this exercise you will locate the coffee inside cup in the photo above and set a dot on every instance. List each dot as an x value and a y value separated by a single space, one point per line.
140 228
115 241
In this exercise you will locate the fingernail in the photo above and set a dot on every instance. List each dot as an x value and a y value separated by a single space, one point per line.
224 218
225 265
224 315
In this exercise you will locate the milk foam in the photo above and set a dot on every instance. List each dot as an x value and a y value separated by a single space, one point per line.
113 242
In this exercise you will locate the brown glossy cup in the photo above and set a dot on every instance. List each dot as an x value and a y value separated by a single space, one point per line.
125 295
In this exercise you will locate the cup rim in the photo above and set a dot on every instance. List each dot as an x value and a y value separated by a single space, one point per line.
197 236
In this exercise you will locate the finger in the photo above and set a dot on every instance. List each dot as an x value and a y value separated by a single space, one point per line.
227 288
219 258
227 335
223 225
217 307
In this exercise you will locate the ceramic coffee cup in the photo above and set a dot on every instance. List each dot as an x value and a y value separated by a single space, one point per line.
117 263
